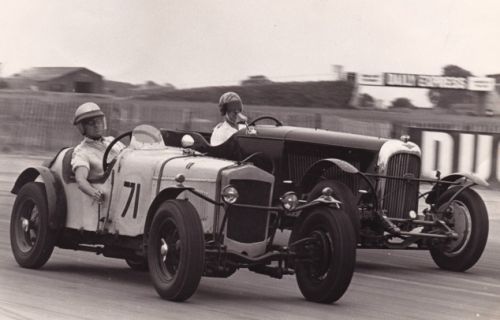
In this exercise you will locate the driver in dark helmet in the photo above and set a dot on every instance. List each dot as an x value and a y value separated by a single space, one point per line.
230 107
86 161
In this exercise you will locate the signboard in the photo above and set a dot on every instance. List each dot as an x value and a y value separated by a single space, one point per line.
481 84
455 151
426 81
376 79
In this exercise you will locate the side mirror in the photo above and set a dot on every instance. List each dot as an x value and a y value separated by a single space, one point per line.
187 141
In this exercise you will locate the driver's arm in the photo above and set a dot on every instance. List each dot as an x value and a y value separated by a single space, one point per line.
81 176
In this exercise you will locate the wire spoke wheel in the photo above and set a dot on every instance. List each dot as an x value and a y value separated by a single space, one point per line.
461 223
176 250
27 226
326 259
467 216
170 250
322 252
31 239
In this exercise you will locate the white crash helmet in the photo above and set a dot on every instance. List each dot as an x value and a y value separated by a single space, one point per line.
227 98
86 111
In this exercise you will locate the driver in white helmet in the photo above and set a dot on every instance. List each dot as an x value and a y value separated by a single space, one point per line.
230 106
87 156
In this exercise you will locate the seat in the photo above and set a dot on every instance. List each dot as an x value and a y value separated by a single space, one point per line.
67 171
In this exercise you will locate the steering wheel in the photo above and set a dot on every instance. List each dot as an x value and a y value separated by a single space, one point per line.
277 122
105 163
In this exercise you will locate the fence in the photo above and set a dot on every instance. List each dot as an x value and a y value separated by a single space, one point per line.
43 122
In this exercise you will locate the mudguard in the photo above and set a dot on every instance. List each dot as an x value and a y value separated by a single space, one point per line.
56 200
314 172
439 188
165 194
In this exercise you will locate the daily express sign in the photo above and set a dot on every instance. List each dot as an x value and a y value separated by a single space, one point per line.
426 81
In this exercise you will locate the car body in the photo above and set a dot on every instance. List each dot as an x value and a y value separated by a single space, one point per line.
377 180
182 215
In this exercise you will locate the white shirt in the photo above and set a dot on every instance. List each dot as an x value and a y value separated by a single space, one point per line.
89 154
221 133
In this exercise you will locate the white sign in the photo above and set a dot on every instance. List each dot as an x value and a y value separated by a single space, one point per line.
480 84
370 79
426 81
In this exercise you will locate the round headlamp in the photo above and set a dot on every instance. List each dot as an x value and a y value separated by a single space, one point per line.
289 200
230 194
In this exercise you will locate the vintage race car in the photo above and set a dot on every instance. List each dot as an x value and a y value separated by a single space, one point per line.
377 181
183 215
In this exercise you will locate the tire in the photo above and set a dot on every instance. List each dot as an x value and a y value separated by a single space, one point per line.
137 264
326 277
342 193
470 219
31 239
176 250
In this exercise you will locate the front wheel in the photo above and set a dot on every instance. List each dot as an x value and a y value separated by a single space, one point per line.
468 217
31 239
326 254
176 250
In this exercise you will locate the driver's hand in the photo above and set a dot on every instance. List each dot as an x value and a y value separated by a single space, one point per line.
98 196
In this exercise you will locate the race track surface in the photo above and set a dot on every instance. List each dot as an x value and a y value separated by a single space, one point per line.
386 284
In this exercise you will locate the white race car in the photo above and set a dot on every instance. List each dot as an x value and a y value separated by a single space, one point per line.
183 215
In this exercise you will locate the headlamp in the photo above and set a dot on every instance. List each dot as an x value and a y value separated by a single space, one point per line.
289 200
230 194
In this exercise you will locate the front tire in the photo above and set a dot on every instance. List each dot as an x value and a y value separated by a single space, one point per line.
31 239
176 250
469 218
326 262
342 193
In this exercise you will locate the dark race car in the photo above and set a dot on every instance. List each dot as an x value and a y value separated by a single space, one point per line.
377 181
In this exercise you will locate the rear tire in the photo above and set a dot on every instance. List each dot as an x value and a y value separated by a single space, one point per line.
31 239
470 221
326 275
176 250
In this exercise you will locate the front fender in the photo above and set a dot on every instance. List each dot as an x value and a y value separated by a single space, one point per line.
439 188
314 172
165 194
56 200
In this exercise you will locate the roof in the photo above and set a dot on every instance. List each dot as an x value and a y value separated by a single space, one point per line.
48 73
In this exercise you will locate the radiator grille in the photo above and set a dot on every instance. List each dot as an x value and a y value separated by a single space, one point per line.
401 196
249 225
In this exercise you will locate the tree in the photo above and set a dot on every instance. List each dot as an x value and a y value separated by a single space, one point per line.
255 80
366 101
445 98
402 103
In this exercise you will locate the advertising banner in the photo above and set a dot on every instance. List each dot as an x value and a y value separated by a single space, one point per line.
409 80
459 151
370 79
481 84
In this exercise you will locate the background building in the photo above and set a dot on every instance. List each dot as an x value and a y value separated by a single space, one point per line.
59 79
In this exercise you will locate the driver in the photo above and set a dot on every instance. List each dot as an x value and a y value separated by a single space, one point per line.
86 161
230 107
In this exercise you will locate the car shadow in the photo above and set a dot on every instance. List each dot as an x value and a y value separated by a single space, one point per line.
100 272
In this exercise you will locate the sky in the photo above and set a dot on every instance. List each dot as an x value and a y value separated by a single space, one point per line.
199 43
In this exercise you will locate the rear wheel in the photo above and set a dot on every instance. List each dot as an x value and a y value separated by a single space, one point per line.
31 239
176 250
469 219
326 254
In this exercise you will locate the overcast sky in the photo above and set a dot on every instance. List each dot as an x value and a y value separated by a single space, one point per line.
220 42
